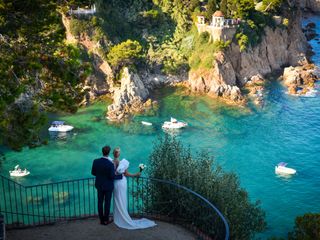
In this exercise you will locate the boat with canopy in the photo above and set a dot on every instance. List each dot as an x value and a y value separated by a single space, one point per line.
59 126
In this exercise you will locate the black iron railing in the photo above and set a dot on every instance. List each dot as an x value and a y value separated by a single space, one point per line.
24 206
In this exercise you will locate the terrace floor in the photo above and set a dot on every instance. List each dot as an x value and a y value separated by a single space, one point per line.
90 229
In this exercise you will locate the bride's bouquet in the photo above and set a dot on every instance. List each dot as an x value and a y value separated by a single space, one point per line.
142 166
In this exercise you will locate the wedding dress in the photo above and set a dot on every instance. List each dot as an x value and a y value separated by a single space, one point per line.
121 216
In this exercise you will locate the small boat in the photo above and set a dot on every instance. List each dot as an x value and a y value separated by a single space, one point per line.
17 172
58 126
146 123
174 124
282 169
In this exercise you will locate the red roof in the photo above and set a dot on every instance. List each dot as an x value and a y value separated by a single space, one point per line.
218 14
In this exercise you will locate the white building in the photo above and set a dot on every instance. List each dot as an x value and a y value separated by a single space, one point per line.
219 28
83 11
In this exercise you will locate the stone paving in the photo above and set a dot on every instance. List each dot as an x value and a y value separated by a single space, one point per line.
90 229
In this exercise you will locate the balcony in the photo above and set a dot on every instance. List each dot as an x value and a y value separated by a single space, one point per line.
171 205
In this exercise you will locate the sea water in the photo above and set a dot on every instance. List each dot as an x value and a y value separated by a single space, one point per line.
248 141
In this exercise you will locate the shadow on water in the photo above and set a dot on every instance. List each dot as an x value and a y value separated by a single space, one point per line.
61 136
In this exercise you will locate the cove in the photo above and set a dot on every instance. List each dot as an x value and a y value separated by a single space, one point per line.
248 141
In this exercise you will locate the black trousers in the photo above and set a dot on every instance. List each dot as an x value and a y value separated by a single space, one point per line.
104 202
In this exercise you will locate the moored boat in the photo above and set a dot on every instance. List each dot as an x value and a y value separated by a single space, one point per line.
18 172
282 169
58 126
146 123
174 124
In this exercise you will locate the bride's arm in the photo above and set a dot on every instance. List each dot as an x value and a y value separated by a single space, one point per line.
127 174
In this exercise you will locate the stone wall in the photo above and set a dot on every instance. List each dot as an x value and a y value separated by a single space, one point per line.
218 33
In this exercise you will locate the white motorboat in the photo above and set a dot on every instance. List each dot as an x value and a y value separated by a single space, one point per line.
58 126
282 169
18 172
174 124
146 123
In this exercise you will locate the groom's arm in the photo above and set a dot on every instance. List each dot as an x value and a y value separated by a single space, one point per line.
117 177
93 169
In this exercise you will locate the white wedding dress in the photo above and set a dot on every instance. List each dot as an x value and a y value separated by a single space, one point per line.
121 216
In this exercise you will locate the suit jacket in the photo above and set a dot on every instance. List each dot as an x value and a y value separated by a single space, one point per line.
104 171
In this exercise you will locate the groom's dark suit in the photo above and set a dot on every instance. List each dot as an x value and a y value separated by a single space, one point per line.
104 171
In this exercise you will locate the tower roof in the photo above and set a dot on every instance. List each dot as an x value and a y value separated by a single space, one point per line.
218 14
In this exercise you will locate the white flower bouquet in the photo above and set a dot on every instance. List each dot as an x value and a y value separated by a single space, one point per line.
142 167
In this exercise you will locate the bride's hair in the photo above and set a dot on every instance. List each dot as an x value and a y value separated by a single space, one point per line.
116 152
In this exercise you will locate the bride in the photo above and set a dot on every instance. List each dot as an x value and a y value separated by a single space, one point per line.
120 213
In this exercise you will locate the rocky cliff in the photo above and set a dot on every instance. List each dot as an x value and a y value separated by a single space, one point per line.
233 69
101 81
310 5
133 94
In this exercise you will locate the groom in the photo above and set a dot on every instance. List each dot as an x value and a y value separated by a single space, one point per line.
104 171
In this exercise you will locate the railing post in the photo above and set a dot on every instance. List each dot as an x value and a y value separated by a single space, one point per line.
2 228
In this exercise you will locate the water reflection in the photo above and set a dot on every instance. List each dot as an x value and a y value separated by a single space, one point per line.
61 136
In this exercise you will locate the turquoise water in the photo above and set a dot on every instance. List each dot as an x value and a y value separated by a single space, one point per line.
249 141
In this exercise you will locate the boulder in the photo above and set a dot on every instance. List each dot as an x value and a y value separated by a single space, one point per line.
301 77
129 97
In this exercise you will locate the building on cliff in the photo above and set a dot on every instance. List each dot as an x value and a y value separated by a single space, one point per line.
83 11
220 28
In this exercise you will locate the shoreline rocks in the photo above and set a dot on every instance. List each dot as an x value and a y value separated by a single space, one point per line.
256 88
299 80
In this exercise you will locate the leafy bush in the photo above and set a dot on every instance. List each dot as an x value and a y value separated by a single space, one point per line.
272 6
171 161
125 53
22 125
78 26
243 41
307 227
204 37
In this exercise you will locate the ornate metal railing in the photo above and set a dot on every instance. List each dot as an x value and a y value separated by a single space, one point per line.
24 206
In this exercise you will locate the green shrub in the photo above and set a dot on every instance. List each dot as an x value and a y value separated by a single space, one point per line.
125 53
170 160
204 37
307 227
243 41
202 55
272 6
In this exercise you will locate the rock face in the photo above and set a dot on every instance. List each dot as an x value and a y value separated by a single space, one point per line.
232 68
299 80
130 97
310 5
100 82
133 94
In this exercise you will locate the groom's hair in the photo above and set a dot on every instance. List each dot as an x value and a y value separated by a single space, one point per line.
106 150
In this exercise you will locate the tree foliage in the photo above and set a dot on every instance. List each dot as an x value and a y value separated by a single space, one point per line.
125 53
307 227
273 6
171 161
35 60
